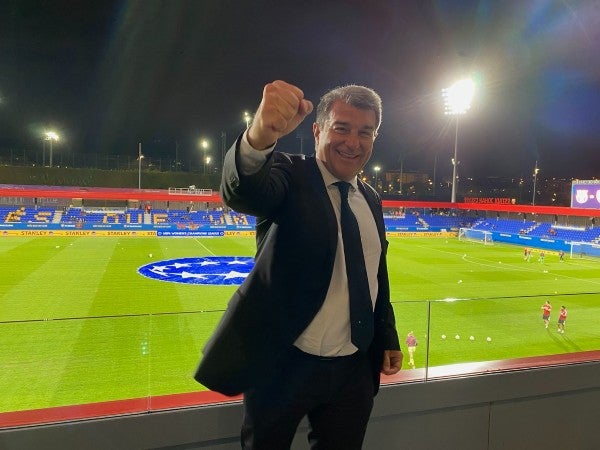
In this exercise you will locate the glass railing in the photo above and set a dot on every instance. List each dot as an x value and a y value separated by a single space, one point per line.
68 369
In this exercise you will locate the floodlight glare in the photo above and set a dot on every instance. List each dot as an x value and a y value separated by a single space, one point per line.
458 97
51 136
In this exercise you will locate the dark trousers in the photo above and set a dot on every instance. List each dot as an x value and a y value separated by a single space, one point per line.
336 394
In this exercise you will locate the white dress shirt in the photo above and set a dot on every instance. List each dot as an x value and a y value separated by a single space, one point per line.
329 332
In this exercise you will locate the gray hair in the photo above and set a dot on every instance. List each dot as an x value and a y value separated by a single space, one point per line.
360 97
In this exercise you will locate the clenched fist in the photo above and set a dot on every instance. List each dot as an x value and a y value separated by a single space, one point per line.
281 110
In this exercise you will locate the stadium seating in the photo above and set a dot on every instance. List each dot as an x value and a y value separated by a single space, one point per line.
505 226
26 214
426 221
242 219
408 220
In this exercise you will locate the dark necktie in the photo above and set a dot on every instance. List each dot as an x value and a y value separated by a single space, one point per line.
361 307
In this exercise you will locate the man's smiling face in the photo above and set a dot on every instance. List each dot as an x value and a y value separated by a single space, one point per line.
345 142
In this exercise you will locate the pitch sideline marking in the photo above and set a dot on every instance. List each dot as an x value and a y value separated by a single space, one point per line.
205 247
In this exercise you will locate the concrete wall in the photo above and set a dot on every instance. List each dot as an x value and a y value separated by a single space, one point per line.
548 408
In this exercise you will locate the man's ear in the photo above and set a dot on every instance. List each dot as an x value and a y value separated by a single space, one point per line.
316 132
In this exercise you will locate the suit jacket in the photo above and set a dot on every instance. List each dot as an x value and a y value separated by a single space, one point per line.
296 235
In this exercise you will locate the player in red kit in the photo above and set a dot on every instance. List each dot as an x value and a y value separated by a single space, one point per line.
546 309
562 318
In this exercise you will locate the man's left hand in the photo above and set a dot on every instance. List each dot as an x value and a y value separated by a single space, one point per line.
392 362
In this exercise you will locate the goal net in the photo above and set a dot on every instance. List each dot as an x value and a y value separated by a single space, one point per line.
472 235
585 250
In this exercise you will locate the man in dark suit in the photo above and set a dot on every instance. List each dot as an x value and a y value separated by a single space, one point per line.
287 339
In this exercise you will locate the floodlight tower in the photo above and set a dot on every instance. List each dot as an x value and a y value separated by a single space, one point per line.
50 136
536 169
204 144
457 101
140 157
247 118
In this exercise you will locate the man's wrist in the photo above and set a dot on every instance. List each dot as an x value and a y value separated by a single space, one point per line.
248 140
256 145
251 160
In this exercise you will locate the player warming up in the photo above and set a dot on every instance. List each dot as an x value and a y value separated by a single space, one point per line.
562 318
411 345
546 309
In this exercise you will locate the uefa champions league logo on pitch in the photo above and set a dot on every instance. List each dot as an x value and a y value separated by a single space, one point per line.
208 270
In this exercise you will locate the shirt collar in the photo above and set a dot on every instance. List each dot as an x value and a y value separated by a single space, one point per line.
329 179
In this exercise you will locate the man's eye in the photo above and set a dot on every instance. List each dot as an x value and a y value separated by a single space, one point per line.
341 130
366 134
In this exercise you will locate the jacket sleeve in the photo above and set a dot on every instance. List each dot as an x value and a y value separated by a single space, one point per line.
259 194
391 339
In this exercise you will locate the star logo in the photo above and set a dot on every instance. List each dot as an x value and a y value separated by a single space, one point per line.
208 270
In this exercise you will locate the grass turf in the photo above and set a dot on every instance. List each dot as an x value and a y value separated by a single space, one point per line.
79 325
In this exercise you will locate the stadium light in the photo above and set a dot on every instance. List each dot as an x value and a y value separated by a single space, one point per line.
535 172
457 101
50 136
376 169
140 157
204 145
247 118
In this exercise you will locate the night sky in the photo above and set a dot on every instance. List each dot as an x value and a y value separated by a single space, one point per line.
106 75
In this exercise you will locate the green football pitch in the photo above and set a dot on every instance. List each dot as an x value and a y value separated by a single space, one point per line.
78 324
